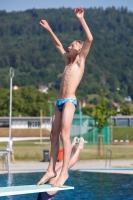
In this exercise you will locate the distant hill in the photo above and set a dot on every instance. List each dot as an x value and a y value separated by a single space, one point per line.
28 48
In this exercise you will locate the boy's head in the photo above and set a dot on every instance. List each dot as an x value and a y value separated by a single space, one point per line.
75 48
80 44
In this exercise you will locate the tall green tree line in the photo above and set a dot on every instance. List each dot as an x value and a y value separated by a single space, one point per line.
28 48
27 101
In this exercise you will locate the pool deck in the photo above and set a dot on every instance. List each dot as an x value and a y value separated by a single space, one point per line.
117 166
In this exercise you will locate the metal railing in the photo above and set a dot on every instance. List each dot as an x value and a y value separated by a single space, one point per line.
110 153
4 159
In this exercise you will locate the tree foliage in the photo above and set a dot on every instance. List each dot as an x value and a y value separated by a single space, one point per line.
100 113
27 101
28 48
127 109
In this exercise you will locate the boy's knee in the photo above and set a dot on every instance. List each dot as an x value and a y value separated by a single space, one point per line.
65 137
54 137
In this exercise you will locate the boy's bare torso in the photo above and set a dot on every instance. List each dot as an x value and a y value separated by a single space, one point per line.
72 76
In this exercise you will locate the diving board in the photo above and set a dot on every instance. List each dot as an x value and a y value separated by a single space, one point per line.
28 189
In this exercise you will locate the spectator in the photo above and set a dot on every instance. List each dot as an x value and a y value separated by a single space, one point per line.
9 147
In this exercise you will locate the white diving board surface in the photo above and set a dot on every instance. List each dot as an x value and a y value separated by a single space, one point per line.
28 189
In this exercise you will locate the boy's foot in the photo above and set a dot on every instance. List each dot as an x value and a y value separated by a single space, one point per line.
75 140
47 176
61 180
81 143
74 144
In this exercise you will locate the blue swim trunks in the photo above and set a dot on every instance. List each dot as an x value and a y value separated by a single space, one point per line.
61 102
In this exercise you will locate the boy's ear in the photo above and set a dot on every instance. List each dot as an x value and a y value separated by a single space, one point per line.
79 50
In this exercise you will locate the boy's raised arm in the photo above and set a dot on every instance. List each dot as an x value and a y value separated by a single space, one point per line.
56 41
79 12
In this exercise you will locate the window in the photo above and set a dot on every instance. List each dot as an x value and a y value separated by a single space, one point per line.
33 124
4 124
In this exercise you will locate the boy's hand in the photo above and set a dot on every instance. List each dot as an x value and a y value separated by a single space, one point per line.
79 12
44 24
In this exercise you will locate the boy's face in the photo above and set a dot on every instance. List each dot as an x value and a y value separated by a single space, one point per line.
73 49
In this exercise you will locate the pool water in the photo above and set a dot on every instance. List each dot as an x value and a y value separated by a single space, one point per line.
88 186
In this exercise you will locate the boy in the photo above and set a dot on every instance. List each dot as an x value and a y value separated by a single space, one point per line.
66 103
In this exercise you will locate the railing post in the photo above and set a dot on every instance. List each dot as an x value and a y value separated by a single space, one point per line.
108 151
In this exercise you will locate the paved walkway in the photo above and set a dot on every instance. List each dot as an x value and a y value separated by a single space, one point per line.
117 166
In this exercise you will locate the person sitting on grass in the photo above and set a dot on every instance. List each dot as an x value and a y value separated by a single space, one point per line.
74 158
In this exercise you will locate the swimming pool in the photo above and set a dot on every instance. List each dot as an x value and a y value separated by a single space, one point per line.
88 186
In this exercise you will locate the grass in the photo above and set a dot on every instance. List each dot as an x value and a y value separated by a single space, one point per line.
121 133
28 150
118 152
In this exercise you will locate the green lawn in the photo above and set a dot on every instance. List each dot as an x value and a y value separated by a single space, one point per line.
27 150
31 151
121 133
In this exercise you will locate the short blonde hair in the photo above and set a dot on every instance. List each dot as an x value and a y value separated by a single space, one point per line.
80 43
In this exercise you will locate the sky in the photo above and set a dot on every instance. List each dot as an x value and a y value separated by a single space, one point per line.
21 5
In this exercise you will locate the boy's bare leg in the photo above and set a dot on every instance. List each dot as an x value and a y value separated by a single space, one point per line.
75 156
12 156
54 136
72 147
72 162
67 117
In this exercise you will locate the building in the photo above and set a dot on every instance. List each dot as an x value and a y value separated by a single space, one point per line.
34 122
128 99
26 122
122 120
15 87
43 89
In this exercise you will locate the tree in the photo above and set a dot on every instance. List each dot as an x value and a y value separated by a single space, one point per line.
100 113
127 109
27 101
37 63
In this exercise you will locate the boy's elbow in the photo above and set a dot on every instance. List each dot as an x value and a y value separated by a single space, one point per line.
91 39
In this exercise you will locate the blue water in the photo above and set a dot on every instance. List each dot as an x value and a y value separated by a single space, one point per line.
88 186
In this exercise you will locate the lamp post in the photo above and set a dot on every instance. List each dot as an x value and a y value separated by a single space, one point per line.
11 74
40 126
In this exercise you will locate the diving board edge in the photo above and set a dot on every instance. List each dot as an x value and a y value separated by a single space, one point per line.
5 191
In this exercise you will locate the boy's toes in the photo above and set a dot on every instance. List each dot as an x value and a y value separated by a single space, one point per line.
74 141
81 143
